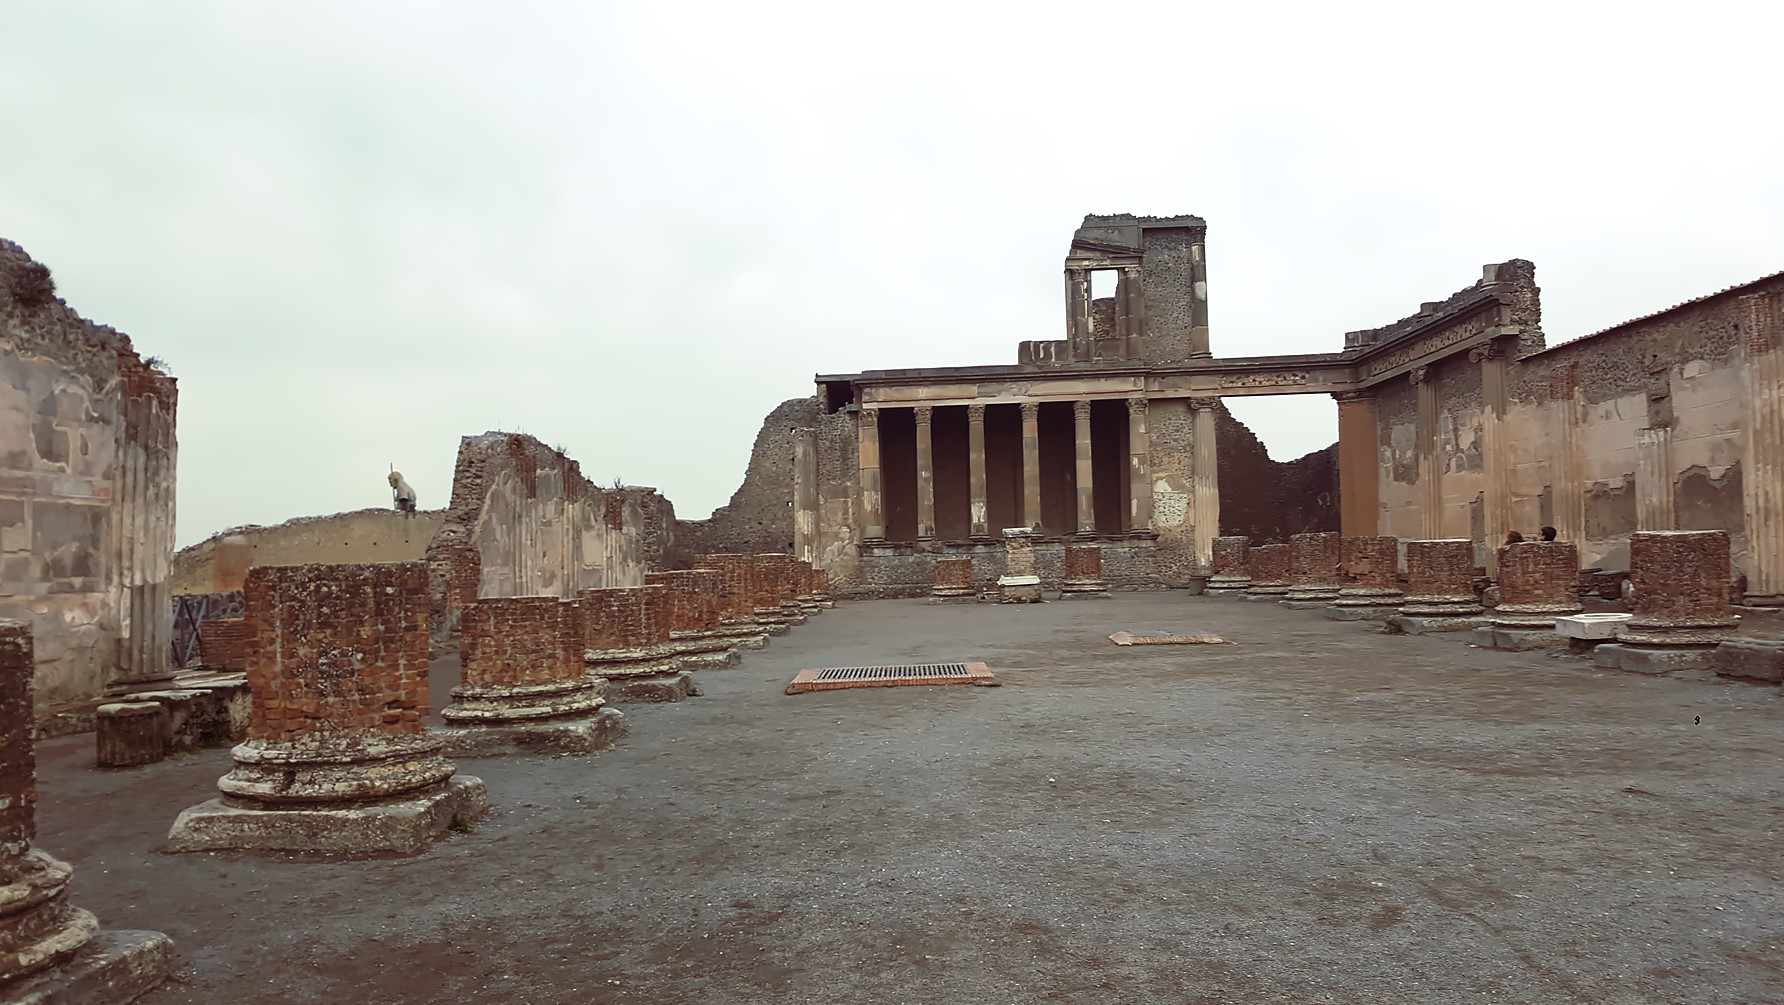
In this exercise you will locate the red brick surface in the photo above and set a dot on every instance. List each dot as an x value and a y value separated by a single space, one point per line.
1314 559
1539 574
511 641
1232 556
693 598
336 649
1680 577
223 643
1270 565
1083 562
623 618
1370 563
1440 568
736 603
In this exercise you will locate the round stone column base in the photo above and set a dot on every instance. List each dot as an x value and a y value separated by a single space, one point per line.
338 771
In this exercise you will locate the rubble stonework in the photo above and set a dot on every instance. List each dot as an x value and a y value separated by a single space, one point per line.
337 758
953 579
1084 572
1369 568
1019 584
523 682
1270 567
1681 583
1232 565
1314 568
50 950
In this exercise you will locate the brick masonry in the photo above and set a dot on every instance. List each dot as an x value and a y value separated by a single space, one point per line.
1314 566
694 598
1370 565
1440 579
223 642
953 577
337 649
507 642
1083 566
1270 566
1537 583
623 618
1232 563
1681 581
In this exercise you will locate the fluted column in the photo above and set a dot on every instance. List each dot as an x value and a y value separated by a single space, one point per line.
873 514
1198 304
1566 472
1430 455
1031 464
1139 450
1077 300
1496 515
1653 479
1205 480
1133 294
925 475
1762 469
975 428
1086 491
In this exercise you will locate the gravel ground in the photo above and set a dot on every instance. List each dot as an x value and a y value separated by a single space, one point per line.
1319 813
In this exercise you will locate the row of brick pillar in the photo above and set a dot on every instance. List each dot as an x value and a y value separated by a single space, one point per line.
1681 582
337 659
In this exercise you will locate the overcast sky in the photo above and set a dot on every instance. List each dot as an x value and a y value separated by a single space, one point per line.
357 231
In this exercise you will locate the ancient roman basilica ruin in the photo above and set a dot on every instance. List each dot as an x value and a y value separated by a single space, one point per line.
1612 500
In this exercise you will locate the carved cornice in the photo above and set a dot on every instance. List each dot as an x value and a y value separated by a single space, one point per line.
1204 404
1418 375
1137 406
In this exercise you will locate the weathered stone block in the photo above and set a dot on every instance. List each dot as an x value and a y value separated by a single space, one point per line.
663 688
1642 659
131 733
1591 626
555 736
1750 659
405 826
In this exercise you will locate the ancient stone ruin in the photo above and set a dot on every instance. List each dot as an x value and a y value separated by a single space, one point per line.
1232 565
1019 584
1681 603
1271 565
524 682
1369 568
1313 560
337 759
953 580
1537 584
1439 595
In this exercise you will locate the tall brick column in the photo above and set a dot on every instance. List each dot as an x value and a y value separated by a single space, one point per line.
737 610
523 684
1538 582
1370 587
1271 565
1440 583
1232 558
337 662
1031 464
1681 583
1359 467
1083 572
50 950
925 474
1314 579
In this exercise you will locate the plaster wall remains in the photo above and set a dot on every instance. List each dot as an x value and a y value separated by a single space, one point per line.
360 537
523 521
87 462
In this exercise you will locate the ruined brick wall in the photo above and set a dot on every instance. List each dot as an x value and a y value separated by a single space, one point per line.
86 490
623 618
352 538
1269 501
523 521
516 641
223 643
759 516
336 650
693 598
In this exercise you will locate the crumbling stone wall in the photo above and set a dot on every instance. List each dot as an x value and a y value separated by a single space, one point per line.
353 538
1267 500
759 516
87 463
523 521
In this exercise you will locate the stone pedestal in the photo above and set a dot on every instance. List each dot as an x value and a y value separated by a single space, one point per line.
1538 582
129 733
1232 573
523 685
1681 602
1313 580
953 581
1370 567
1019 584
1439 589
697 634
50 950
337 759
1083 572
1271 565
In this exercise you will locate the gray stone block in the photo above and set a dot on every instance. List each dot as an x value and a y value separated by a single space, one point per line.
1750 659
1515 640
670 687
1637 659
113 968
558 736
406 827
1408 624
1360 613
1304 605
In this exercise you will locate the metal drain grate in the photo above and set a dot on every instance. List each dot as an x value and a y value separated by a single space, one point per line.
834 678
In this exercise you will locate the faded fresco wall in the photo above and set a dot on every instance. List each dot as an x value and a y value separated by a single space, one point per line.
87 459
1644 426
353 538
523 521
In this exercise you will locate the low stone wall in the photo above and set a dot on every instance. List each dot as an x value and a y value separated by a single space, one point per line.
895 571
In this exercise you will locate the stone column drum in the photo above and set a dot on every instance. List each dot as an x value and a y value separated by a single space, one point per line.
1681 583
1083 572
1019 583
523 684
1370 567
953 580
337 759
1232 559
50 950
1270 565
1538 582
1314 578
625 638
1439 588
